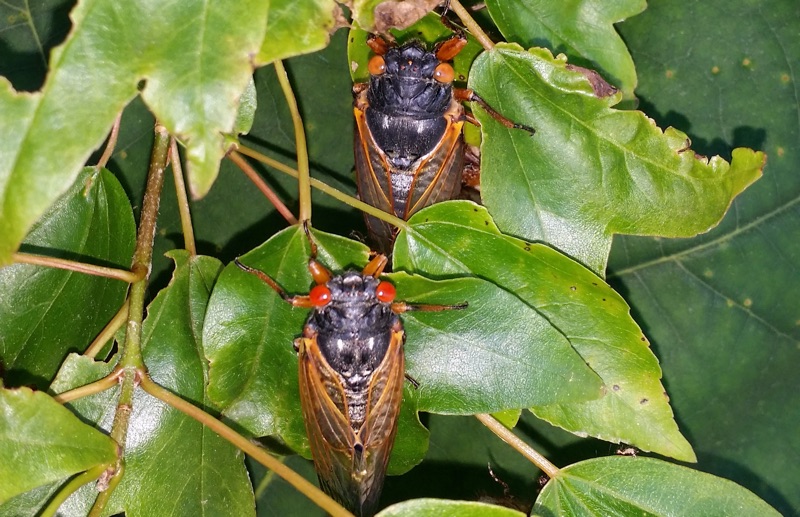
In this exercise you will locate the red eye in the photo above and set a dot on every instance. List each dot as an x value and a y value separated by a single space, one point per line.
444 73
320 295
385 292
376 65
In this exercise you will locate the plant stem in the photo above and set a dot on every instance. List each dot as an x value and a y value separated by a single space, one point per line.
253 176
327 189
72 265
70 488
112 142
293 478
108 331
97 386
520 446
471 25
303 184
131 363
183 198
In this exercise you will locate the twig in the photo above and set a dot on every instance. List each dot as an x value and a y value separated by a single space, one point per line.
471 25
70 488
108 331
131 362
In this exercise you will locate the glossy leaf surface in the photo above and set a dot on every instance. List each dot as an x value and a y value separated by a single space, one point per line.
644 486
591 171
458 238
173 464
45 313
42 442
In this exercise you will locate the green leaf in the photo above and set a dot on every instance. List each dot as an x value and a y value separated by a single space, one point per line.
581 29
443 508
46 313
195 59
458 237
461 361
42 442
299 27
590 171
79 370
643 486
494 355
722 309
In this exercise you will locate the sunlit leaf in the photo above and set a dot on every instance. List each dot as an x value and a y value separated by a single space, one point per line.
460 238
195 61
299 27
42 442
590 171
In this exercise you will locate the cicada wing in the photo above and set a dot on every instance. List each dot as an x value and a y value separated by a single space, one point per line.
330 435
373 178
438 175
380 426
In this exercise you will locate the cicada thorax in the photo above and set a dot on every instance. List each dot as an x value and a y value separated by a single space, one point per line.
408 139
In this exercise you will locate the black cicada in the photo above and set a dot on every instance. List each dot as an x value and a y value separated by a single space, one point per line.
351 372
409 148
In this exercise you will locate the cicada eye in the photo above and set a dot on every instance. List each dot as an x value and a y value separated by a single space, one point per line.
385 292
320 295
444 73
376 65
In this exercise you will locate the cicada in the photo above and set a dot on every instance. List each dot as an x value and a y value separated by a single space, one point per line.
409 147
351 374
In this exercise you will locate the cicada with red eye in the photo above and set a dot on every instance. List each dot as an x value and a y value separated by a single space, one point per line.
409 147
351 374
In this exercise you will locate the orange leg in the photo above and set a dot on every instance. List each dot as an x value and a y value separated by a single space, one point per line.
464 94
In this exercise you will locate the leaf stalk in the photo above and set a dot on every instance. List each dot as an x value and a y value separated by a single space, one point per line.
303 183
183 198
517 444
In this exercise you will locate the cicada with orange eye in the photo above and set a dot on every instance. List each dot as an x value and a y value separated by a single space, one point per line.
351 374
409 146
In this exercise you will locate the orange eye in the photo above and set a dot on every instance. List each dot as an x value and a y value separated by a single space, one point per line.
320 295
385 292
376 65
444 73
